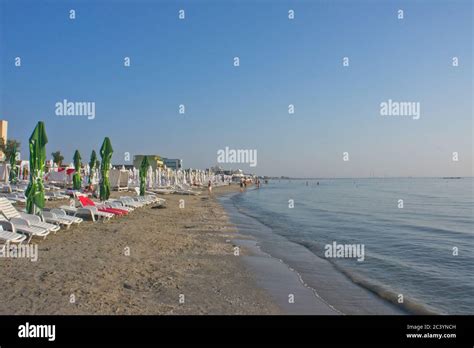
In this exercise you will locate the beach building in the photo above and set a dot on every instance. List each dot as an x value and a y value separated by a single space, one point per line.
155 161
3 134
238 175
123 166
173 163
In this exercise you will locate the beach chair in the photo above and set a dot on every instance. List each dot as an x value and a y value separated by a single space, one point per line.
51 217
148 198
7 209
140 200
100 214
54 195
15 197
8 233
130 202
117 204
87 211
24 227
87 202
62 214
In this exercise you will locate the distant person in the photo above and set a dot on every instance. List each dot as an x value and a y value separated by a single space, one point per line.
209 187
241 185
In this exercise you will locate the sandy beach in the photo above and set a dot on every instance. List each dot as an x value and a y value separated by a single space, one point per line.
172 252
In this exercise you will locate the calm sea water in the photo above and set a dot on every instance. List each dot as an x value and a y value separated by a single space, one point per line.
408 250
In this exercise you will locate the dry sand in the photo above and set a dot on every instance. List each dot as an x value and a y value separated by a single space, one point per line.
173 252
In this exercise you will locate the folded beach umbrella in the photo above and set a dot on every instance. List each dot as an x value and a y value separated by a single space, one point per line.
106 152
35 191
143 173
159 177
13 169
135 176
92 167
149 175
76 179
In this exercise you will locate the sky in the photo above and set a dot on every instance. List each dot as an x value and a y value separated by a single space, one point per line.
282 62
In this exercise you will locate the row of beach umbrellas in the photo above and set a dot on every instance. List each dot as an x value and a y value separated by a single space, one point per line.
157 178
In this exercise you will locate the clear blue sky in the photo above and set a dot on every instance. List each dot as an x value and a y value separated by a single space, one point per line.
282 62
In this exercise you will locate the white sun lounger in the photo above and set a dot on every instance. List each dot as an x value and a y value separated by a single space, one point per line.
91 212
24 227
55 195
148 198
116 204
62 214
8 233
141 200
130 202
100 214
35 220
15 197
51 217
7 209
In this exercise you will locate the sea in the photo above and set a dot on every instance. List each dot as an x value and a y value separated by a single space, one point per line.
417 236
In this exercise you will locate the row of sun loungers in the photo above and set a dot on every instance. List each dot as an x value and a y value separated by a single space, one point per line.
177 189
114 207
16 193
17 226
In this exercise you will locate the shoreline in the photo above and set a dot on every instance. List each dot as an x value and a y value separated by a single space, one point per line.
312 272
284 284
175 255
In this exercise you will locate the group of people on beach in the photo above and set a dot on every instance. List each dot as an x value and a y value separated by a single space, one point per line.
243 185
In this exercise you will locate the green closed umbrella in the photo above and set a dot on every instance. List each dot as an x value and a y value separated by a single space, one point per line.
35 191
13 169
106 152
143 170
92 166
76 179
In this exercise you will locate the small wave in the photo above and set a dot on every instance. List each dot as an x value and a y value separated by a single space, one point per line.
409 305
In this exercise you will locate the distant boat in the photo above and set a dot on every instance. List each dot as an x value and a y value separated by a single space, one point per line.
452 177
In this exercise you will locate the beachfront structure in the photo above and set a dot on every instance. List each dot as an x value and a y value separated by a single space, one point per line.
123 166
173 163
238 175
154 160
3 134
